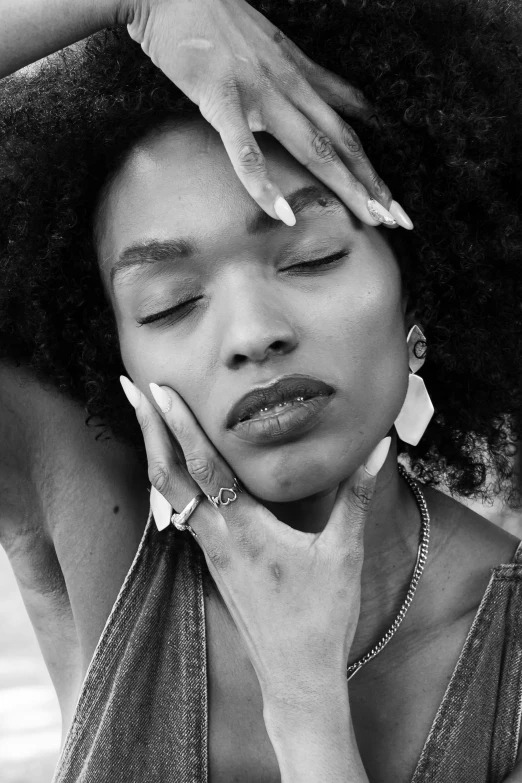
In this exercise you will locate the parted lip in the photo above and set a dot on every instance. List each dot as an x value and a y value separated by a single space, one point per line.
281 390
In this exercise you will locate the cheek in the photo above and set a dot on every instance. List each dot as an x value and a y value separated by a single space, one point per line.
366 337
162 360
156 360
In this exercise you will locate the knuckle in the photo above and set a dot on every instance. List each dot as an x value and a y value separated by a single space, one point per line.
144 421
159 477
361 498
219 100
379 188
180 429
351 142
250 159
227 87
201 469
322 148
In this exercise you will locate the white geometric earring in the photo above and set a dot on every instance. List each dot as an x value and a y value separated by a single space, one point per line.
417 409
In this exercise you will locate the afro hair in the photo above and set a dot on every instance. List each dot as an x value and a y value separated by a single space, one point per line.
445 78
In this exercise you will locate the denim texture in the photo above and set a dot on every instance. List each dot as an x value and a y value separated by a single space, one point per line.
142 713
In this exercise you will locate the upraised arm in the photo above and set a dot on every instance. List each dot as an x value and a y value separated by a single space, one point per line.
243 73
32 29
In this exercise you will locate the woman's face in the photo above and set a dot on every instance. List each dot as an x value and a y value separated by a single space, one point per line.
256 310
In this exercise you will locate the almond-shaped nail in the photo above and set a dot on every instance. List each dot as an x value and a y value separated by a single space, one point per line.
400 215
378 457
284 212
380 213
161 396
132 392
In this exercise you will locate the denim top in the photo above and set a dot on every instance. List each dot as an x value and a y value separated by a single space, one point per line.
142 713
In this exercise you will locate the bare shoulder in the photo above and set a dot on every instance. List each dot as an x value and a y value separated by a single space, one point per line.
72 508
465 540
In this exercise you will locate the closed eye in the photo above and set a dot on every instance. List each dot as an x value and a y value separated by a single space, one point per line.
183 308
318 262
179 308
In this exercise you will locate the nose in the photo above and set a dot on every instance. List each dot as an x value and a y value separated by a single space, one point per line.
256 323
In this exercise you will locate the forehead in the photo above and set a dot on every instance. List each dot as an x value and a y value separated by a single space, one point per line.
180 181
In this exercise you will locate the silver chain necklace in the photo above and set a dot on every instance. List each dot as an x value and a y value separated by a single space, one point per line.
422 554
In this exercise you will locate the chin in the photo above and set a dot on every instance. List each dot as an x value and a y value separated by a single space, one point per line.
290 485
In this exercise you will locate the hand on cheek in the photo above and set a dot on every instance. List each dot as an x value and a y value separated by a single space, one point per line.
284 588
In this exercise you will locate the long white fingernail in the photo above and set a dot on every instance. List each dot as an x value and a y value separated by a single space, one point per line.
132 392
161 509
400 215
162 397
284 212
378 457
380 213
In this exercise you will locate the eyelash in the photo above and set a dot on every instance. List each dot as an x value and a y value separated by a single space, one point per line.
318 262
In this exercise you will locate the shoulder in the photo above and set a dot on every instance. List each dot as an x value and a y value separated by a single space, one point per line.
465 538
464 549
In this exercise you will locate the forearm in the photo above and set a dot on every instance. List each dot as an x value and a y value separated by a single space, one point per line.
316 744
32 29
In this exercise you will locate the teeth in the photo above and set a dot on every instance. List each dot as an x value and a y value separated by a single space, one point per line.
279 405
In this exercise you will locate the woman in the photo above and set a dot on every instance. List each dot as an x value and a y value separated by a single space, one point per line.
131 245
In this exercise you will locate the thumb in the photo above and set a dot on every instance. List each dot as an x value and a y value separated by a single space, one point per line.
345 527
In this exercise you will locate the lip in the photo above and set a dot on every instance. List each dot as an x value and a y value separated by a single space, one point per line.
283 425
284 389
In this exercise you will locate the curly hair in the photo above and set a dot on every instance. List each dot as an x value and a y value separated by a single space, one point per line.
445 78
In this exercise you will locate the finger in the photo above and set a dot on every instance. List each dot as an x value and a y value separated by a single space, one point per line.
345 529
351 152
209 470
348 146
332 88
316 151
168 476
229 119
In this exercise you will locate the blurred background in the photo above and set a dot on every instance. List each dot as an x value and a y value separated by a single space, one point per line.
29 715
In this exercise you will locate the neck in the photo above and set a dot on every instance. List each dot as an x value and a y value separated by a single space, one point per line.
391 540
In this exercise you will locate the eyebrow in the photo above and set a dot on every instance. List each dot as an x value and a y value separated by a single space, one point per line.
157 251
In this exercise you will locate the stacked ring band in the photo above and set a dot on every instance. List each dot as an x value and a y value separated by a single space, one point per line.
180 520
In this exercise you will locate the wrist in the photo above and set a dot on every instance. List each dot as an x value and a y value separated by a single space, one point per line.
305 692
291 712
315 740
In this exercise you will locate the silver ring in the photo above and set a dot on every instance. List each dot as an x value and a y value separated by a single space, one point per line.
180 520
217 500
